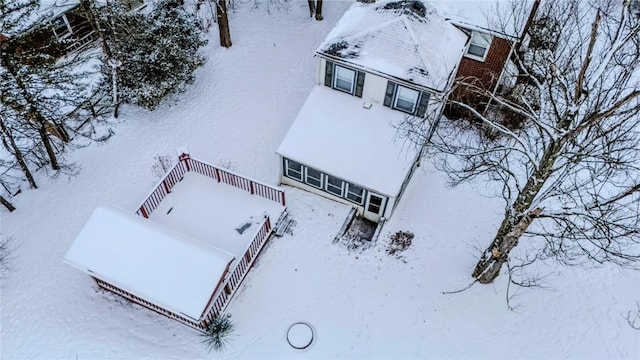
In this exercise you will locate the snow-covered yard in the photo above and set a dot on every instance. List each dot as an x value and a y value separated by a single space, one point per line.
362 305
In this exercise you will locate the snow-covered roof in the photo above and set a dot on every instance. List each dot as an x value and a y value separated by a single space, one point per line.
483 15
337 135
167 268
402 39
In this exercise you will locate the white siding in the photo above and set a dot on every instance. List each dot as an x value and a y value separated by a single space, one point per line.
299 185
374 88
321 66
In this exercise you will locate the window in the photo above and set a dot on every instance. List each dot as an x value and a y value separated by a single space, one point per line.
355 193
293 170
375 204
61 27
334 185
479 45
313 177
344 79
406 99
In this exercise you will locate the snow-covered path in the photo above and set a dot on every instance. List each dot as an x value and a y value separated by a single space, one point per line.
363 305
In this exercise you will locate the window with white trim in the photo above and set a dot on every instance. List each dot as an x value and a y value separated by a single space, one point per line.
479 45
406 99
334 186
293 170
355 193
344 79
61 27
375 204
313 177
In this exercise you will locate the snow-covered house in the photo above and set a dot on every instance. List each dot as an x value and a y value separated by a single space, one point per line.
67 22
383 61
188 247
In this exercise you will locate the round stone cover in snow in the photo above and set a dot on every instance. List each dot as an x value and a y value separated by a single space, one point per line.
300 335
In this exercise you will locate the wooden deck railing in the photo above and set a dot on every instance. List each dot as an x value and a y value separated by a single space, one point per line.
186 164
239 181
239 272
161 190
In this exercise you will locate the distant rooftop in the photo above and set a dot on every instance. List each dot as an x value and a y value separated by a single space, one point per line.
496 16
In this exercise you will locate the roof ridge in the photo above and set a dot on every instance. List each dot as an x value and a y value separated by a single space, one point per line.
374 28
416 43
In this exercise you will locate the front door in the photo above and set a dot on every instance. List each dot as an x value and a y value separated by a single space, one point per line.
374 206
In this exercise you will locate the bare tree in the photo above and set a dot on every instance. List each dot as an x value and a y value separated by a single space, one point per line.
570 177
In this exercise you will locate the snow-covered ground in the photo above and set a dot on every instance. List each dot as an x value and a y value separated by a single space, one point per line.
361 305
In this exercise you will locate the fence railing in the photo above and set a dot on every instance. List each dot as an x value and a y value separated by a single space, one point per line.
151 306
239 181
239 272
162 188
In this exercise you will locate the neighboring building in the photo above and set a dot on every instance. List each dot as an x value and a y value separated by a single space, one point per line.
492 40
381 63
187 249
68 24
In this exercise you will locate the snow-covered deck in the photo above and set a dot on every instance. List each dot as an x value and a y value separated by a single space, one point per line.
151 261
337 134
221 215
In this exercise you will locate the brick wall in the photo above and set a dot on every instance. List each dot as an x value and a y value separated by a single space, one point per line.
485 75
489 70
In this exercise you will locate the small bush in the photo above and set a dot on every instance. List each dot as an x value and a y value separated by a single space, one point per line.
400 241
162 165
216 337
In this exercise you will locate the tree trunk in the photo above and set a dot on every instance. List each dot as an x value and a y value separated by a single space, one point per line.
488 269
88 6
318 10
516 220
44 137
18 154
7 204
312 7
223 24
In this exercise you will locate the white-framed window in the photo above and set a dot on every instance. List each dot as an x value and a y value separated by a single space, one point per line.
334 186
344 79
355 193
313 177
61 27
293 170
479 45
375 204
406 99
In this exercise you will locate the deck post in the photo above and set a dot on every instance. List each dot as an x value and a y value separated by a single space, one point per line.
143 211
217 174
282 193
184 158
252 189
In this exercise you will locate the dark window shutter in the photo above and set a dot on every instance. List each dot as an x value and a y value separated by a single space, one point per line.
328 73
388 95
359 83
422 105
